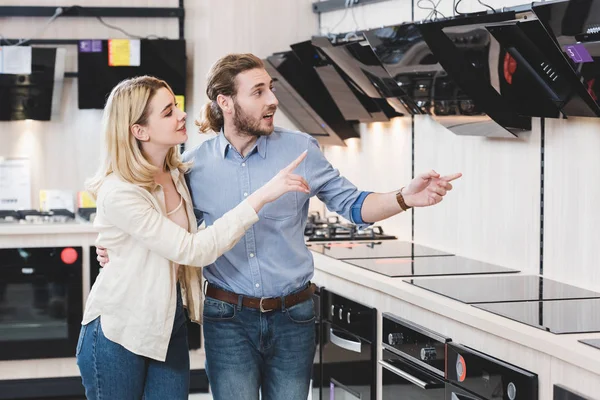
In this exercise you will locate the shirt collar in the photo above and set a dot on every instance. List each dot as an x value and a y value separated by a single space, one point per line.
260 145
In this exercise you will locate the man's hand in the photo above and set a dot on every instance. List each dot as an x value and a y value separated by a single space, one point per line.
428 189
102 256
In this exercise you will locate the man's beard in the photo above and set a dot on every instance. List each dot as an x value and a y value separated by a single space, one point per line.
246 124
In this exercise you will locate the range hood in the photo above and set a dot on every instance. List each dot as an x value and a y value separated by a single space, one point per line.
358 61
573 26
525 73
353 103
306 101
36 96
407 57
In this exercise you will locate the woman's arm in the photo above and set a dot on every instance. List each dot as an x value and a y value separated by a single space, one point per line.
134 214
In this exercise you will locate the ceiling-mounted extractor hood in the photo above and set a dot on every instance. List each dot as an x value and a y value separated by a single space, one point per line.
353 103
407 57
356 59
306 102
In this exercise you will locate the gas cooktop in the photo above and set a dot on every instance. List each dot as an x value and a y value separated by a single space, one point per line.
428 266
376 249
36 217
556 316
476 290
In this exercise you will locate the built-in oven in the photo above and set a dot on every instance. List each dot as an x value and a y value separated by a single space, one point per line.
348 349
473 375
40 302
194 335
413 361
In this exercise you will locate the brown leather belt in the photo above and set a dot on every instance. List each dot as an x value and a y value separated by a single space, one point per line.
264 304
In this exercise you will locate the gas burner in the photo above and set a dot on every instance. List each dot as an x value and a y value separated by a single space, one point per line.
57 216
9 217
337 231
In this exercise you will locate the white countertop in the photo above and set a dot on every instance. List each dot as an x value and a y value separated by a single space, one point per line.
564 347
46 229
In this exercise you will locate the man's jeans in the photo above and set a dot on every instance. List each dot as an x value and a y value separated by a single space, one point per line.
247 350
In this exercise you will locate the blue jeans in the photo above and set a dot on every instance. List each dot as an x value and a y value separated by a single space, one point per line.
248 351
109 371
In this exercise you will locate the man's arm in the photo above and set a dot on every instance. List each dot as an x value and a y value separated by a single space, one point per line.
423 191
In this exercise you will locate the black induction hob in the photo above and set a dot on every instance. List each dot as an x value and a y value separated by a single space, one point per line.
506 288
428 266
556 316
592 342
387 249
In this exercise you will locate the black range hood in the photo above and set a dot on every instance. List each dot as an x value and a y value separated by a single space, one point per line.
405 54
353 103
36 96
306 101
357 60
574 27
526 74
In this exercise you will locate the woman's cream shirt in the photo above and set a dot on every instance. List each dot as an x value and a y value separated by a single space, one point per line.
135 295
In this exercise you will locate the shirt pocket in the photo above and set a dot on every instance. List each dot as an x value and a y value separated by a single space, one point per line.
283 208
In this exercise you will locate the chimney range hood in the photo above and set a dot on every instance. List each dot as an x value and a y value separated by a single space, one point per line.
406 54
306 101
350 99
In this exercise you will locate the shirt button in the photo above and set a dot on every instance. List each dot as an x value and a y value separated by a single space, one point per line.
245 194
257 285
243 164
251 255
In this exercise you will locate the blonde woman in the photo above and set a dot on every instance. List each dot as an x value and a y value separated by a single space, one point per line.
133 340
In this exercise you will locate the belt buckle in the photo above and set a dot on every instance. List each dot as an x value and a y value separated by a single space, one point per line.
262 309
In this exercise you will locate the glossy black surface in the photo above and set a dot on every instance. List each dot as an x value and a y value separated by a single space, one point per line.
29 96
164 59
353 103
40 302
348 348
306 99
487 377
543 64
358 61
399 377
385 249
569 23
506 288
480 68
428 266
409 60
556 316
562 393
415 343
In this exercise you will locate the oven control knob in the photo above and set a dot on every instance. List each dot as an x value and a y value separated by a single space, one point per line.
511 391
332 311
340 313
395 338
428 353
348 317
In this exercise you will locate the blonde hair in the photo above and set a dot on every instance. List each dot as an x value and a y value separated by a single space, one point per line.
221 80
129 104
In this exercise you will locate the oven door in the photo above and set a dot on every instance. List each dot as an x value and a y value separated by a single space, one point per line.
404 380
456 393
40 302
348 365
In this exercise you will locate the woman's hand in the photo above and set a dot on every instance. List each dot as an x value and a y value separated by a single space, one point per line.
285 181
